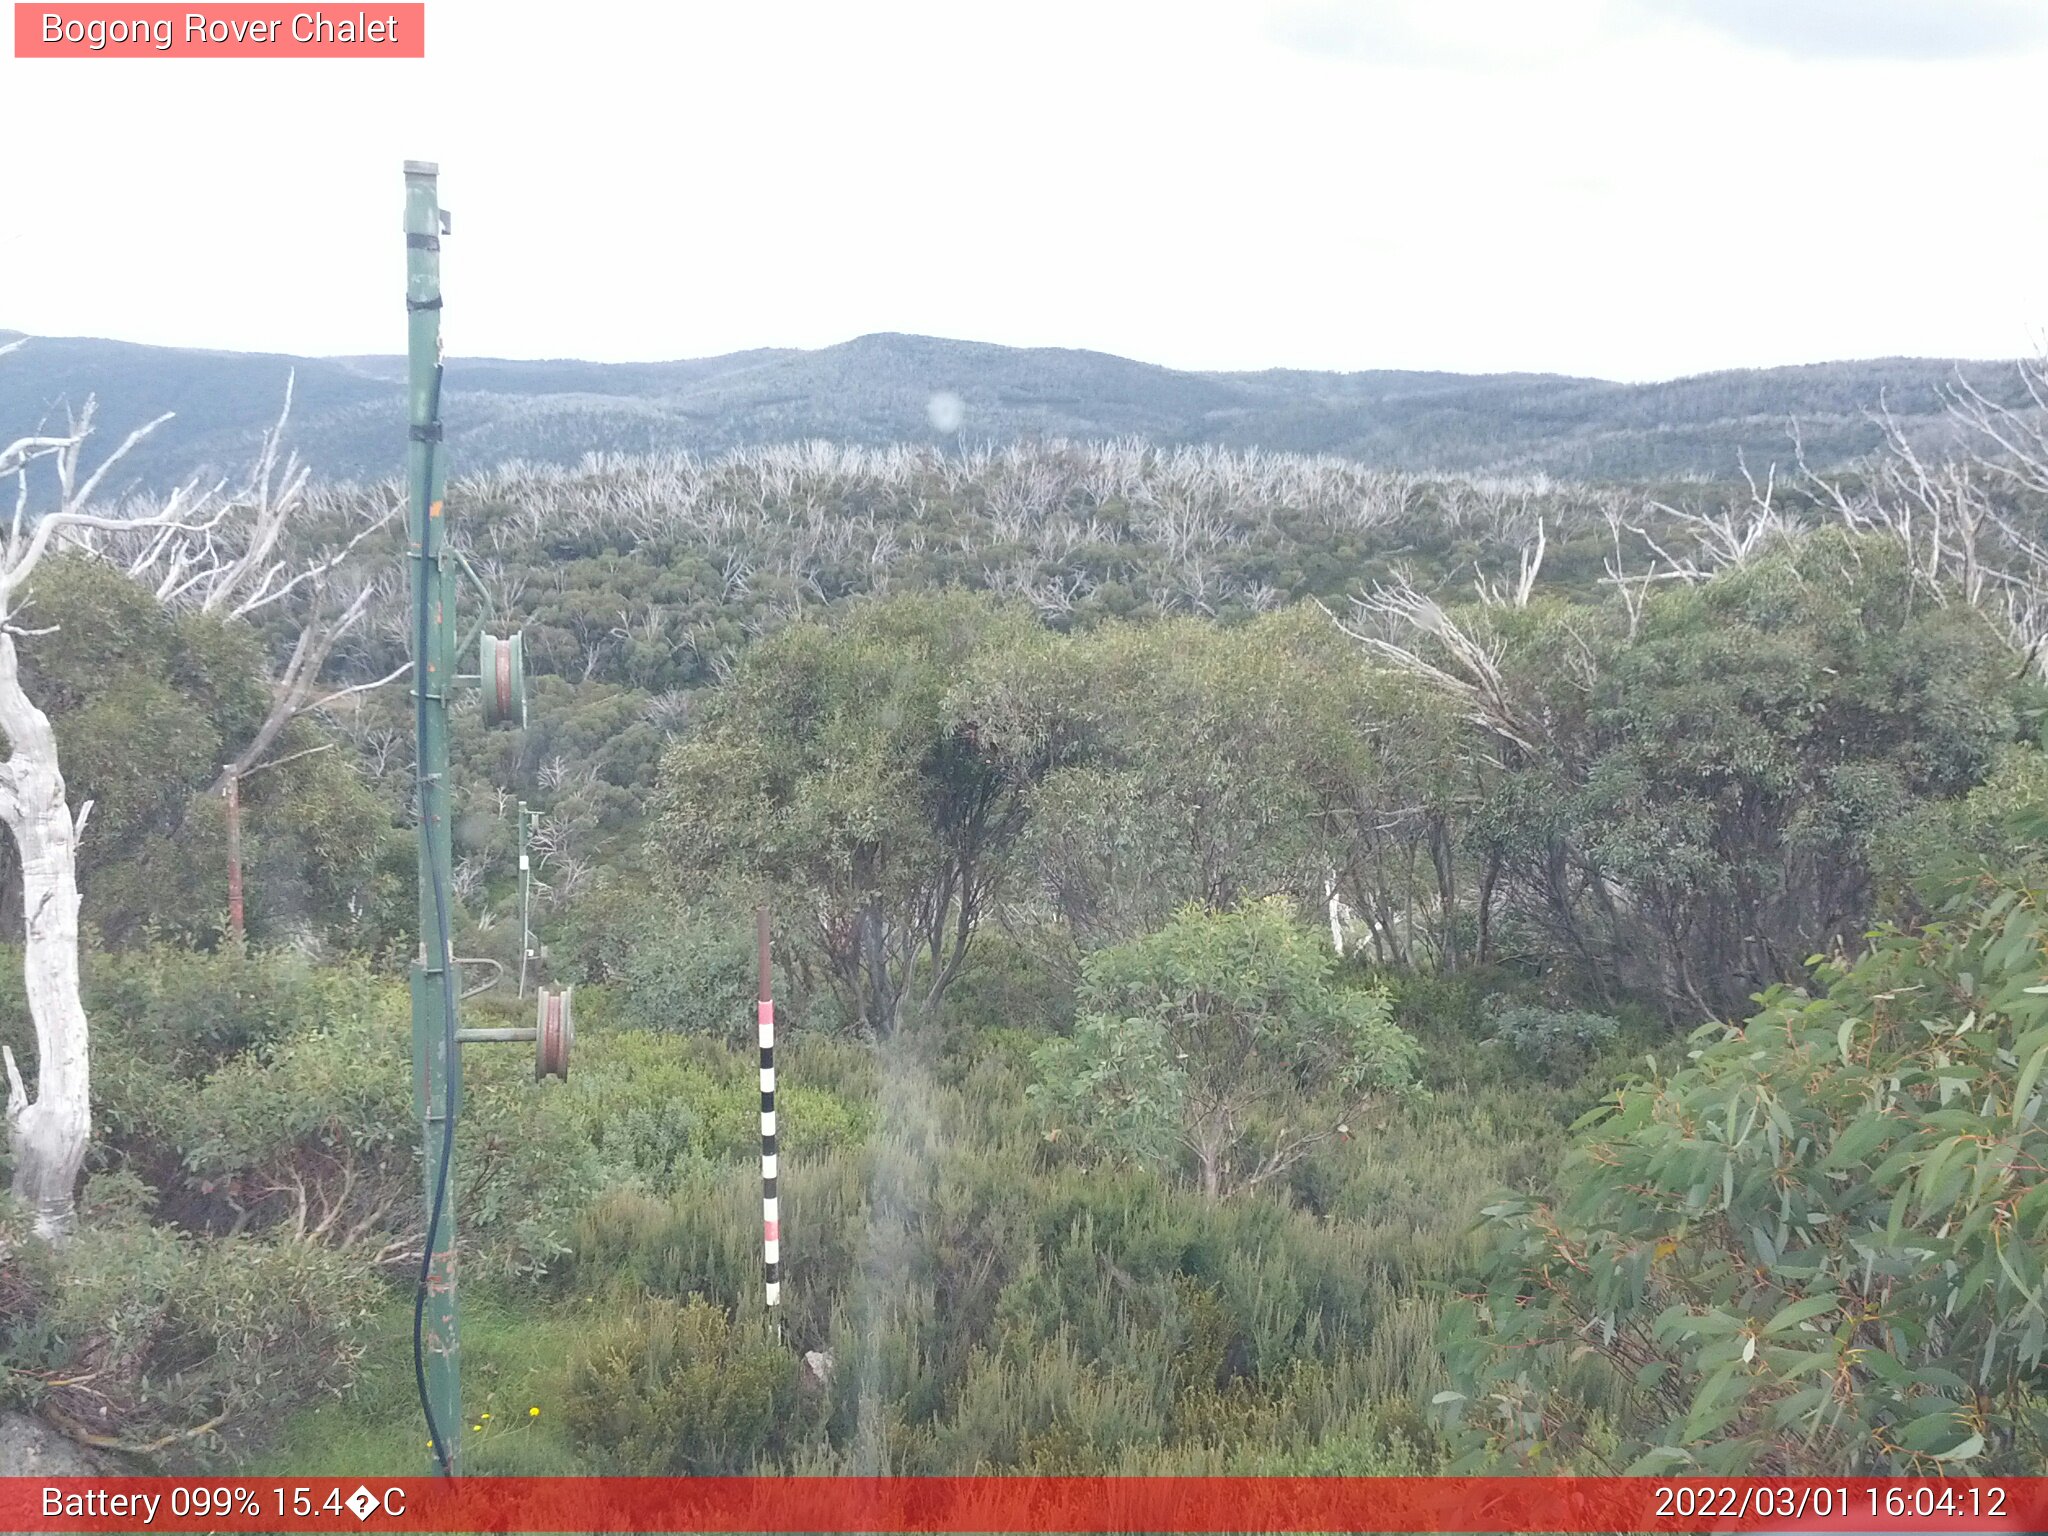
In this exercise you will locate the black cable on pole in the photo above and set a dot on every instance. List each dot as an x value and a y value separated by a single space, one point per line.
444 938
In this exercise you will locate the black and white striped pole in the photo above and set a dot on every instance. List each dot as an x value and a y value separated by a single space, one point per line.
526 955
771 1210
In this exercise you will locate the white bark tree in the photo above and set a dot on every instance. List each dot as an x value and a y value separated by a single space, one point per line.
48 1132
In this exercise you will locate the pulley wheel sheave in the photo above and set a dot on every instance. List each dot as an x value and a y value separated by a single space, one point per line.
501 668
555 1035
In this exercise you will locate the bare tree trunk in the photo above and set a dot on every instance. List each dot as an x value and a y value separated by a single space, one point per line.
1489 876
1440 855
49 1134
237 929
885 996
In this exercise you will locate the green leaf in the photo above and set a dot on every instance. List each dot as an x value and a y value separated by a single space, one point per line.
1798 1403
1931 1429
1930 1171
1940 1376
1974 1446
1864 1134
2023 1090
1799 1311
1895 1222
1886 1368
1659 1458
1701 1414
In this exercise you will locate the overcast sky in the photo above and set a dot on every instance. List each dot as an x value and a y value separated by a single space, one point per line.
1634 189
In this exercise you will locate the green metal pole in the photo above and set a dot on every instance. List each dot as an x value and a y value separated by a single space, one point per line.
436 1069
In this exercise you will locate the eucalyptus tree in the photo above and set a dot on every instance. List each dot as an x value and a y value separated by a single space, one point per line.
113 667
1222 1044
1218 765
872 774
1689 784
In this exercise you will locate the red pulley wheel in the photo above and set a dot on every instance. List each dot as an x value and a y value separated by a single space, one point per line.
504 681
556 1033
501 671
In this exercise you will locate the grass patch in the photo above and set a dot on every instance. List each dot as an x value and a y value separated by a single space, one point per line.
514 1356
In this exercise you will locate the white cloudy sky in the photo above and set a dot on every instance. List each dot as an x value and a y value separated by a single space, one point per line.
1629 188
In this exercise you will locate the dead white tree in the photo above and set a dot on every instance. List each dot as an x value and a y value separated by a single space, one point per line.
241 561
1397 622
1495 593
1965 518
48 1132
1634 589
1726 538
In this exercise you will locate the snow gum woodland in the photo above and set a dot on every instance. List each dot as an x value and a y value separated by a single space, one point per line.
1284 967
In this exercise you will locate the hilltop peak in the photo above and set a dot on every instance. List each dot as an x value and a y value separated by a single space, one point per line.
877 388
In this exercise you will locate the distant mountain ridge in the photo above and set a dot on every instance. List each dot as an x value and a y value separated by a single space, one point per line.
348 417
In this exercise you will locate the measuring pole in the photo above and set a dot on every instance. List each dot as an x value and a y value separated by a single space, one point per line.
771 1209
525 898
434 982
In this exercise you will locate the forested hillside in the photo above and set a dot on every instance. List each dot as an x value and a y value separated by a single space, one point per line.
1287 965
879 390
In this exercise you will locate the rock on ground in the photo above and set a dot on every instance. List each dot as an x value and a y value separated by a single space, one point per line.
30 1448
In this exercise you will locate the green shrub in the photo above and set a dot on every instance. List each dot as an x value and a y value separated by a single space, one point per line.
691 972
1819 1247
651 1104
192 1349
679 1389
1223 1042
164 1017
1055 1413
1006 985
1918 857
991 1302
1557 1042
257 1094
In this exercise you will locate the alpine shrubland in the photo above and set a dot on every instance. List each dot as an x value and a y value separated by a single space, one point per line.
1285 968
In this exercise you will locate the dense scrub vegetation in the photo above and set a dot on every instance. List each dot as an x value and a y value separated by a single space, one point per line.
1570 1008
1819 1241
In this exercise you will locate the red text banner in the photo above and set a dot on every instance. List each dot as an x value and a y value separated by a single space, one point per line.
993 1504
230 31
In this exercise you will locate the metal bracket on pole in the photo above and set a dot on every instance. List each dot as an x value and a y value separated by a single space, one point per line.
497 974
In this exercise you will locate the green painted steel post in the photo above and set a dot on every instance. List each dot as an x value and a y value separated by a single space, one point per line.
436 1066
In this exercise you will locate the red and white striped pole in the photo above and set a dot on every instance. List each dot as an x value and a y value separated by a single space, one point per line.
771 1220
